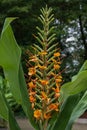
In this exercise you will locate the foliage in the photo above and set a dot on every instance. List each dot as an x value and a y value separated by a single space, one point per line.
4 86
10 55
67 22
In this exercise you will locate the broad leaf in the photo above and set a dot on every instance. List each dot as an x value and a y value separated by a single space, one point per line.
78 110
76 86
10 55
7 114
66 112
84 66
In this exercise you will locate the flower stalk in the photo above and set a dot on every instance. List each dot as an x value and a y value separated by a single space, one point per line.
44 72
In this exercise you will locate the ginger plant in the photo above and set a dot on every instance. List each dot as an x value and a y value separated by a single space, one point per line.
44 72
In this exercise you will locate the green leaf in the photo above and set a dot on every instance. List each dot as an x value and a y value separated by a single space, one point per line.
3 108
78 110
84 66
6 113
76 86
10 55
13 125
65 113
25 99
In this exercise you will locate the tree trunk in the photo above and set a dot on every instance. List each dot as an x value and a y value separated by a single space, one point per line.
83 37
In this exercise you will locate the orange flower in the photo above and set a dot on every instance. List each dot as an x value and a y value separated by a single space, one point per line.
42 67
44 96
60 76
53 106
47 116
58 80
57 95
32 71
54 60
31 85
37 114
43 52
56 90
57 84
57 54
44 82
32 99
32 93
56 66
33 58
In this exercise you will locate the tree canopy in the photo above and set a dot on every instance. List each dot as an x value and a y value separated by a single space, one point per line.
70 26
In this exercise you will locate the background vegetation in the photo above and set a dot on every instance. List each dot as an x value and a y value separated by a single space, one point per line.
70 26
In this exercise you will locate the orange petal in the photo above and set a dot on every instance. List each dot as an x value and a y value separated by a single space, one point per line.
33 58
53 106
56 66
32 99
44 96
44 82
57 54
42 67
31 85
32 71
58 80
47 116
37 114
43 53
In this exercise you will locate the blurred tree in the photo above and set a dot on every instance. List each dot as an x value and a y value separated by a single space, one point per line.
70 26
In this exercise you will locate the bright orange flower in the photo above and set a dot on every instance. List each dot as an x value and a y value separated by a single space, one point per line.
60 76
42 67
32 71
37 114
32 93
57 84
52 74
56 66
32 99
33 58
53 106
44 96
56 90
43 53
47 115
44 82
54 60
57 54
31 85
57 95
58 80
